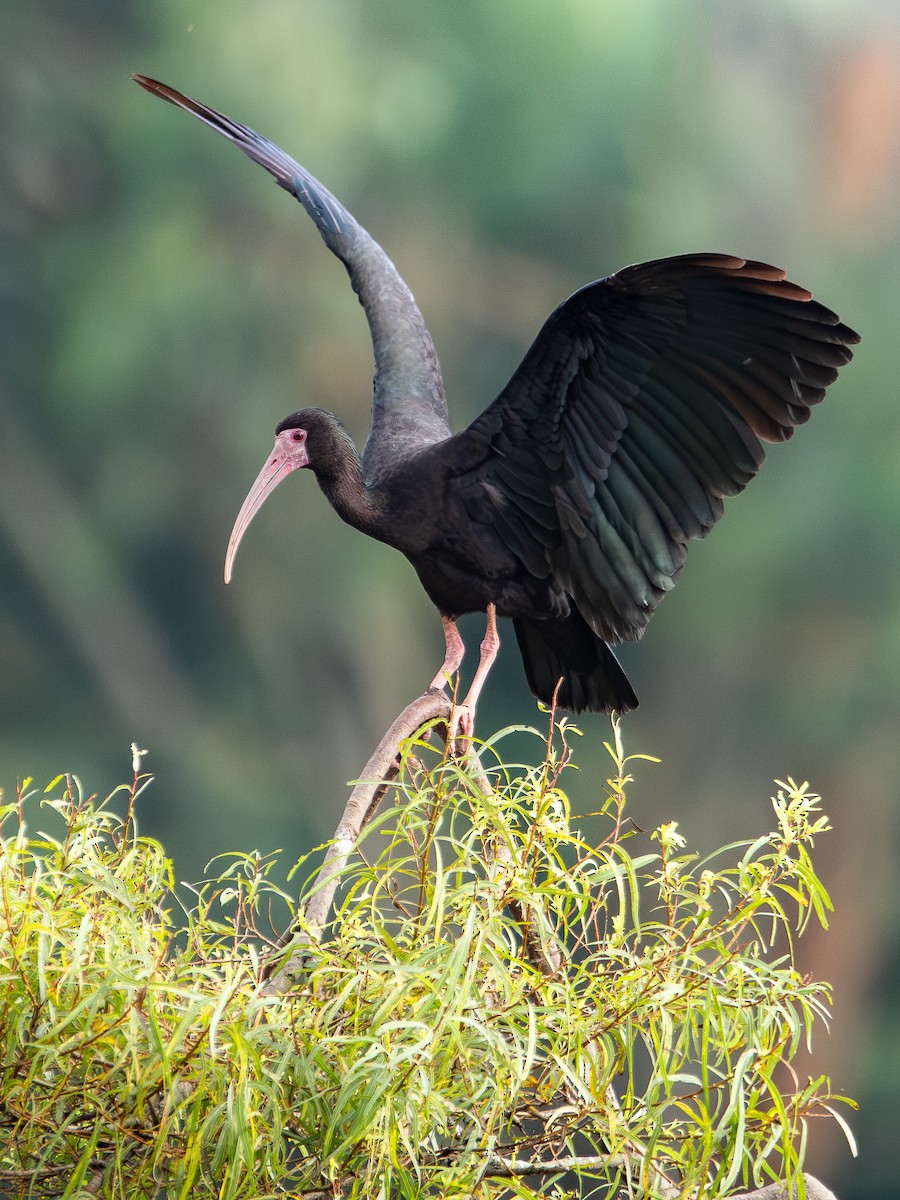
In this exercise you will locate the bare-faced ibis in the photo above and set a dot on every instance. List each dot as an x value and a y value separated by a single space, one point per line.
568 504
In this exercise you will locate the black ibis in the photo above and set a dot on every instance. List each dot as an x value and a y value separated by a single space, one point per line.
568 504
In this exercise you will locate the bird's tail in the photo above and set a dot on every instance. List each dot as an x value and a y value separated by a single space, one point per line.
567 649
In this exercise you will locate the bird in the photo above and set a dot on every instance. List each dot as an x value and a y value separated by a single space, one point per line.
568 504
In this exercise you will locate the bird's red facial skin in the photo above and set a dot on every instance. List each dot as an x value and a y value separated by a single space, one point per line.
288 455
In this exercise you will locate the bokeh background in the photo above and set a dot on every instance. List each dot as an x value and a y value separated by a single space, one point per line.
164 305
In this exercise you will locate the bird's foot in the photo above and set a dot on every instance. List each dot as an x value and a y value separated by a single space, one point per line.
460 724
461 730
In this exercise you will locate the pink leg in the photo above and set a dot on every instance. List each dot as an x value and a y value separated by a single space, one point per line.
463 719
489 648
453 657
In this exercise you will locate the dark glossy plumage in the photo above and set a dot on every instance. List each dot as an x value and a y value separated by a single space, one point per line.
569 502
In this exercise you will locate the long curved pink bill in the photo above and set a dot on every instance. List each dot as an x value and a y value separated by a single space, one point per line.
278 466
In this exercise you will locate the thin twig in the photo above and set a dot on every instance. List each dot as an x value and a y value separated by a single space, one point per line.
499 1167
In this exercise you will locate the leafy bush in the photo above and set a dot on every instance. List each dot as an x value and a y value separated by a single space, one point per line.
499 1007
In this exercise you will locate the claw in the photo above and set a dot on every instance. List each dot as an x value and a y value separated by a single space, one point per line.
460 730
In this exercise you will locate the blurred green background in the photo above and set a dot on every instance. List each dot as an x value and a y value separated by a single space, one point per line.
164 305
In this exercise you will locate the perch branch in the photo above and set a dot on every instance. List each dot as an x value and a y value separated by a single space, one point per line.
377 774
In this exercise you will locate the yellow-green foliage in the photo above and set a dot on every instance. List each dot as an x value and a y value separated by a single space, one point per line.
496 1001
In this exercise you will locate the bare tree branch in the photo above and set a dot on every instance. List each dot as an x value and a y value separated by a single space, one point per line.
364 799
780 1191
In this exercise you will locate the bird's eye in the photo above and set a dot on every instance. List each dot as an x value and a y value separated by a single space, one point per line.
299 435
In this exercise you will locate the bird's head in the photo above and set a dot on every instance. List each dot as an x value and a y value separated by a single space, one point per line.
304 439
290 452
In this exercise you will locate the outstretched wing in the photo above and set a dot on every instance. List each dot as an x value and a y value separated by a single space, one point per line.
643 402
409 409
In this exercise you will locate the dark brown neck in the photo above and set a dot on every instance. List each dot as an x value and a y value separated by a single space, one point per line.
337 466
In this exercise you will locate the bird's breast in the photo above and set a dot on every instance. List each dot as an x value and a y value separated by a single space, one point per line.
448 530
